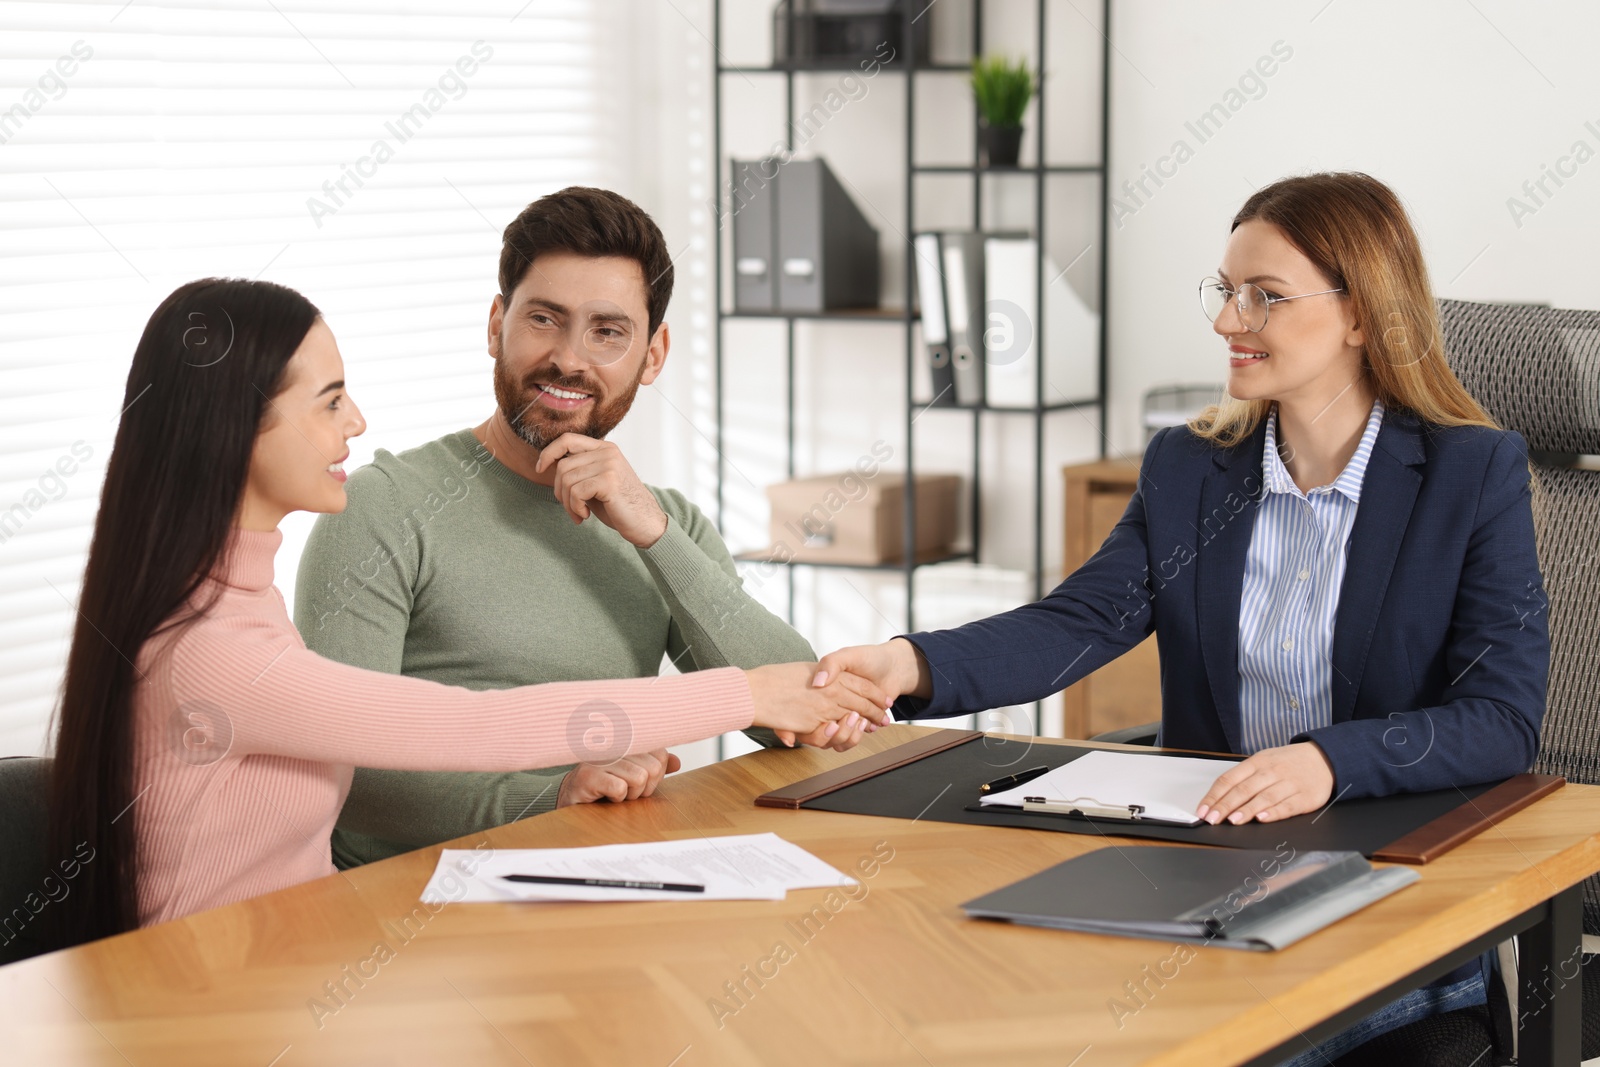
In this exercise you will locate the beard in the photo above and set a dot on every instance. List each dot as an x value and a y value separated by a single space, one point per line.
539 424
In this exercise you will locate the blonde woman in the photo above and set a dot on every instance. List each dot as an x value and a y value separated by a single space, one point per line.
1337 561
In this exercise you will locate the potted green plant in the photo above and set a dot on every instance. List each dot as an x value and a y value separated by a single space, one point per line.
1002 90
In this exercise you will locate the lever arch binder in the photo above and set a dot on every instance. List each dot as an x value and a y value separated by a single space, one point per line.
935 328
800 243
965 312
755 237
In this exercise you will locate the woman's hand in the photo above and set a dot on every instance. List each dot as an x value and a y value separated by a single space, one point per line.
894 666
798 699
1273 784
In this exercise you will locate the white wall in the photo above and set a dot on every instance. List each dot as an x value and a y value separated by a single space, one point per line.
1454 104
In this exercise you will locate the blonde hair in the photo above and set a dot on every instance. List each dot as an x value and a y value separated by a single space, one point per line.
1355 231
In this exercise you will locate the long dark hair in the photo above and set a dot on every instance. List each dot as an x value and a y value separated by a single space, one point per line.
211 357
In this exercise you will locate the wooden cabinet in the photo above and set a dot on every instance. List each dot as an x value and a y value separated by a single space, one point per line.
1126 691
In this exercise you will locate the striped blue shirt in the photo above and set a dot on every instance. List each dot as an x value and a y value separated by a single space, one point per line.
1292 575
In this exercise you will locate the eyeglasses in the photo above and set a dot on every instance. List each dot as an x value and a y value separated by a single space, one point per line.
1252 302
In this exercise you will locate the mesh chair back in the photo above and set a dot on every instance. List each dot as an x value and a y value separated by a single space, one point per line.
1537 371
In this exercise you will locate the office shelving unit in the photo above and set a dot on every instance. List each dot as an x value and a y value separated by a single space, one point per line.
905 315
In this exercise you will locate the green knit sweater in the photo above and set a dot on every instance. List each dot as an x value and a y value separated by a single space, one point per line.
448 565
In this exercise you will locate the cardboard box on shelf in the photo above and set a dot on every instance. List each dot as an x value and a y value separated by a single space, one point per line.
845 518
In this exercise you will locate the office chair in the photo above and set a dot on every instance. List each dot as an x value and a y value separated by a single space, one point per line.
1174 405
24 781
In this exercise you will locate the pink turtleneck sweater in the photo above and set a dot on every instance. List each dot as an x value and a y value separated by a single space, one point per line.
245 741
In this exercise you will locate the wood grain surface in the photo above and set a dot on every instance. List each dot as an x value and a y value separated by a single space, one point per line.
352 969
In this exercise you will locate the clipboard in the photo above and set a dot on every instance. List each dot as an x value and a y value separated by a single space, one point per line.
1128 786
1080 808
1087 807
936 776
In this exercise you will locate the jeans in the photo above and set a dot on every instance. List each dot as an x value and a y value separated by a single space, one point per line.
1417 1004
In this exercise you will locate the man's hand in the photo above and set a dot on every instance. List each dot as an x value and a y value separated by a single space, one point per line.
593 477
627 778
1273 784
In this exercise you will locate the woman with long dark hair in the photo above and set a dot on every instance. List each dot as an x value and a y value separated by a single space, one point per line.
1332 560
202 753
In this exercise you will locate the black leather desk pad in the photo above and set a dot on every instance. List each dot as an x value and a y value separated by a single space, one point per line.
944 788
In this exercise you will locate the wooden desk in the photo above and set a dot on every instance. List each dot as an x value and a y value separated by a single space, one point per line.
1126 691
895 977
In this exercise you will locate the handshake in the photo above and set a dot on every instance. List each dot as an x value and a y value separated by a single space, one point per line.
829 704
847 694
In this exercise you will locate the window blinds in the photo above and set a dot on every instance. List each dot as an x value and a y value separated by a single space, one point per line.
365 153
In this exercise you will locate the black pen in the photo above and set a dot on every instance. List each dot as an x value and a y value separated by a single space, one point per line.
1011 781
603 883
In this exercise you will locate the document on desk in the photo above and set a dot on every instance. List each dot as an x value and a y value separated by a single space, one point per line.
1137 786
735 867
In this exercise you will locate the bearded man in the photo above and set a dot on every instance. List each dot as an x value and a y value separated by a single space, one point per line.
526 549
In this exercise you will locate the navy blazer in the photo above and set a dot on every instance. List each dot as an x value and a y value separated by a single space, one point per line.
1441 649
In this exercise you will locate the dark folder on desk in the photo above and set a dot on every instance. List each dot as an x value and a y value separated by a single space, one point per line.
937 778
1235 898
